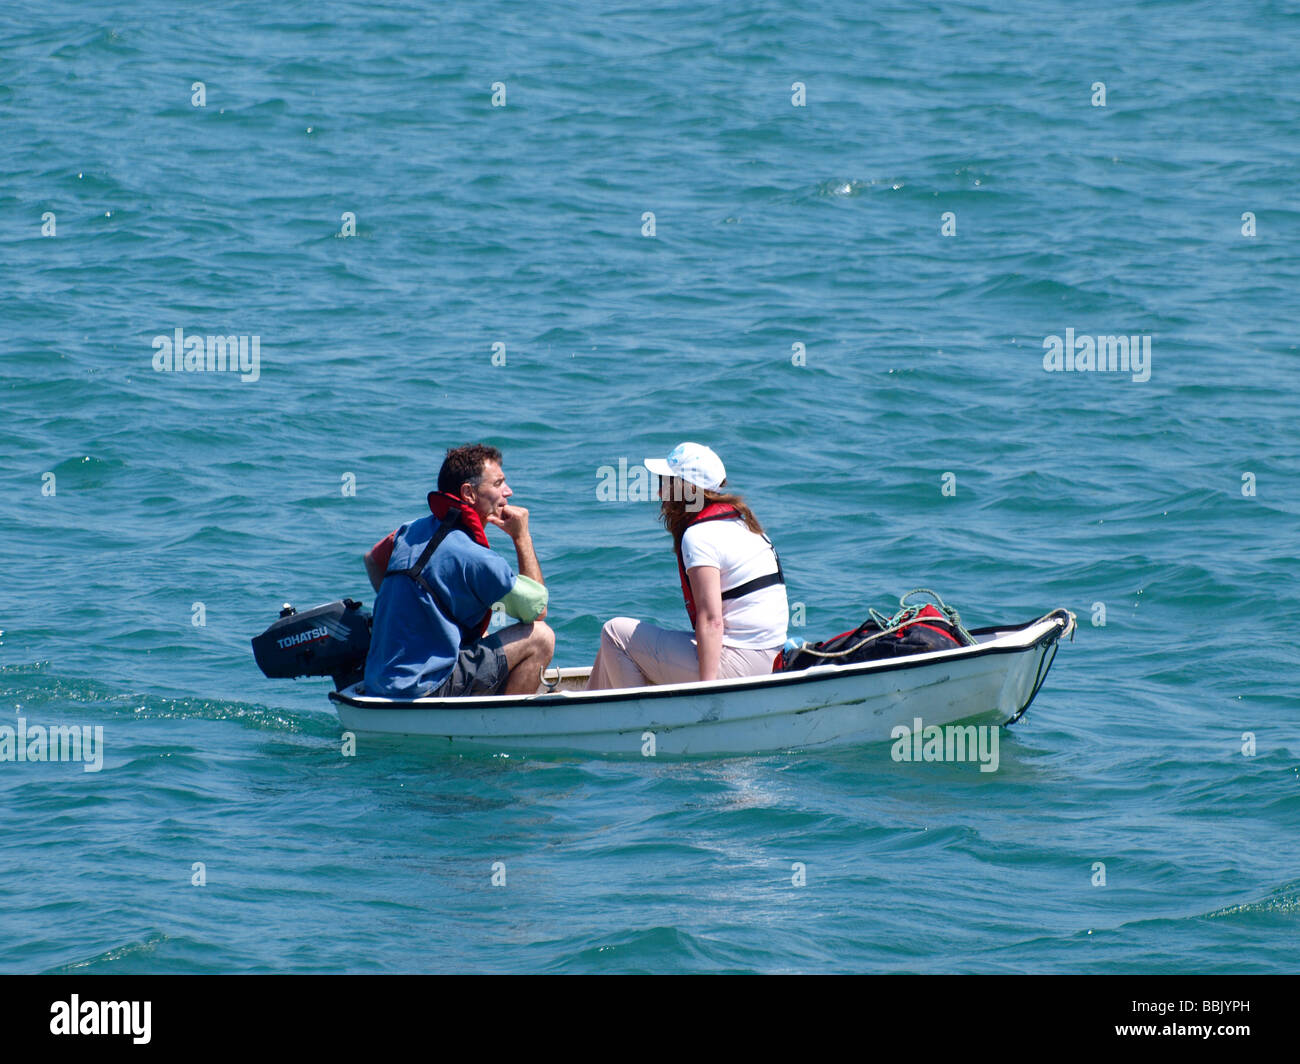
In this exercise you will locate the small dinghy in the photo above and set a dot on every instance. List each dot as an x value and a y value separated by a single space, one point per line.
991 681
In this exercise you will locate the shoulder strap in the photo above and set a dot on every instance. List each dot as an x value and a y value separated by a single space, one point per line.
446 526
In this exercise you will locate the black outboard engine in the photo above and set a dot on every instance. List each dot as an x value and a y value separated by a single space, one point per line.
330 640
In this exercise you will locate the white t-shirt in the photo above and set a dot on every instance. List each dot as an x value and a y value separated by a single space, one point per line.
756 621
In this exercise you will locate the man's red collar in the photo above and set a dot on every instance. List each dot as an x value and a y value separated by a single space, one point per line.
441 504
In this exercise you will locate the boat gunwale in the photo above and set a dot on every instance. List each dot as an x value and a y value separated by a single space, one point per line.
811 675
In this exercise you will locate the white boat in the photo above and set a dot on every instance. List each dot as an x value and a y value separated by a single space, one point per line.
990 682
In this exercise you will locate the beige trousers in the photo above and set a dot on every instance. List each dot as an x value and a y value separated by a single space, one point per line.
635 654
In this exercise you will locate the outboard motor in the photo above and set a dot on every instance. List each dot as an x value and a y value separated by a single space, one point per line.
330 640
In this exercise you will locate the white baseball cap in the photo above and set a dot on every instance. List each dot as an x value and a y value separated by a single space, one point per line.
694 463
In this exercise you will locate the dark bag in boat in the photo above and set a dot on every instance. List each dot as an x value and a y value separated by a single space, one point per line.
935 633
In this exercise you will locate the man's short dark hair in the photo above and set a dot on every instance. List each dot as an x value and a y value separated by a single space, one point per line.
465 463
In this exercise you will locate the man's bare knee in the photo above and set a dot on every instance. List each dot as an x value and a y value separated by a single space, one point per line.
543 639
523 641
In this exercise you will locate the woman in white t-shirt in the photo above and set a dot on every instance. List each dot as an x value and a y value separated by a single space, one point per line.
731 580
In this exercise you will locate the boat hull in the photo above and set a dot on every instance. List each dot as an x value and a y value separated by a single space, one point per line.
992 682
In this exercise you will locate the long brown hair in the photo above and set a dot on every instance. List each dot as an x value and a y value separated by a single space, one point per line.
677 514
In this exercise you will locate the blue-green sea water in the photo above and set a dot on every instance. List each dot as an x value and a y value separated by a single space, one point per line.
920 196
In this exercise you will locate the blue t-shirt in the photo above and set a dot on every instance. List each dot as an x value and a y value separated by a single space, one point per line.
413 647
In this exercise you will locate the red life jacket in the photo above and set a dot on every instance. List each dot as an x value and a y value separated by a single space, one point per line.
440 503
721 511
468 521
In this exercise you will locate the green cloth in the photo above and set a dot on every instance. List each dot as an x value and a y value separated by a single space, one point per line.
526 600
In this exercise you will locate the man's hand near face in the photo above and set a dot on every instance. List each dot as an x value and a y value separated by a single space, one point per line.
514 520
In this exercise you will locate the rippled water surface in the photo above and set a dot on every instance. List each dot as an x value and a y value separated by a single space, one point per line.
136 503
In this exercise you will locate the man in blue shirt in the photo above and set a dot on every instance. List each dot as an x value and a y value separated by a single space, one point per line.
437 581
